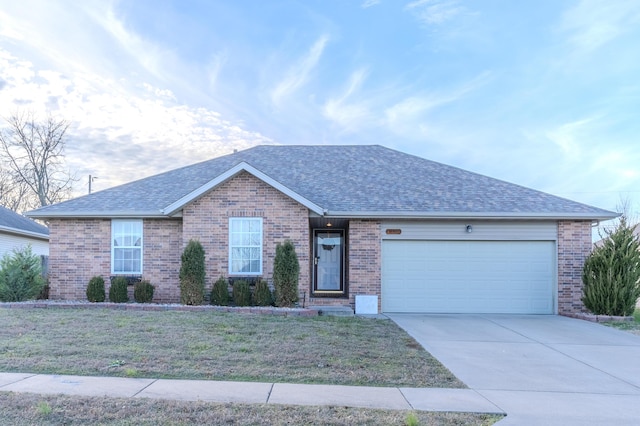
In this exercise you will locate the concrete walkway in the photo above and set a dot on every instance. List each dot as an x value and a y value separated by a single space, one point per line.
461 400
540 370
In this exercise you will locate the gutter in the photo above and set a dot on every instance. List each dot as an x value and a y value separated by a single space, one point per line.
23 233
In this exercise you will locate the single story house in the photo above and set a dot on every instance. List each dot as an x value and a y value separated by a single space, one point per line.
365 220
17 231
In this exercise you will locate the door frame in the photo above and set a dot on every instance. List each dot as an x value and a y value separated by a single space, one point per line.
343 291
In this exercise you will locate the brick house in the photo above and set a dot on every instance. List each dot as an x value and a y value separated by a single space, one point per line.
365 220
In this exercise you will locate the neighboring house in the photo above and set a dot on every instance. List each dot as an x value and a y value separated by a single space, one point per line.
365 220
17 231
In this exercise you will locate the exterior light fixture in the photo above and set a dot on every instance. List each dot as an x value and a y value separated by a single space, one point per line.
329 224
469 229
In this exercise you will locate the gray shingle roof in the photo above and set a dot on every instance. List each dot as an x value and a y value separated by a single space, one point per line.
364 181
13 222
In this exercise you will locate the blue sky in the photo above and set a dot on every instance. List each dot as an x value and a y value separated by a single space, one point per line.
545 93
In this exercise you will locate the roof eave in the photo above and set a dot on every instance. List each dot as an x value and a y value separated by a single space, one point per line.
176 206
24 233
472 215
97 215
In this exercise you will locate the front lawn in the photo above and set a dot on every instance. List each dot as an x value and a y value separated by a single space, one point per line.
216 346
630 326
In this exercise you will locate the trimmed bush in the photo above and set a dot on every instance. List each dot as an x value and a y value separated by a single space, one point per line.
262 294
241 293
118 290
143 292
20 275
220 292
95 290
286 272
611 273
192 274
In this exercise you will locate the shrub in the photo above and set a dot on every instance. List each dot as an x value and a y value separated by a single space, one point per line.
192 274
20 275
611 273
118 290
286 271
143 292
220 292
262 294
241 293
95 290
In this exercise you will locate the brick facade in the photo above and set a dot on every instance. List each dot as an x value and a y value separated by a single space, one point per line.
162 251
207 219
574 245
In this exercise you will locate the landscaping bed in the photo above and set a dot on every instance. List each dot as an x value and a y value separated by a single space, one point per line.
214 345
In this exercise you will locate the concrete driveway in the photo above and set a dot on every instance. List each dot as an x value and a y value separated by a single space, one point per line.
541 370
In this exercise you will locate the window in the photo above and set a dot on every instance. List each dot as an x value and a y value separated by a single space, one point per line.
245 245
126 247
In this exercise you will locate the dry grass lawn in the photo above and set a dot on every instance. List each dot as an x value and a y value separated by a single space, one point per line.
216 346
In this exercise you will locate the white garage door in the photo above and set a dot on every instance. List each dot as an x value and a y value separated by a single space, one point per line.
468 276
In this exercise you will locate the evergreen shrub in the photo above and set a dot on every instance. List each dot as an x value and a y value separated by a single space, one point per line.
286 271
95 290
192 274
262 294
611 273
143 292
241 293
118 290
220 292
20 275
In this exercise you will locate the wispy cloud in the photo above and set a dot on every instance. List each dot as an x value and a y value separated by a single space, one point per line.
593 23
349 115
368 3
299 73
435 12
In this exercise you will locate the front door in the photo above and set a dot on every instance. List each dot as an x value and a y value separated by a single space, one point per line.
328 247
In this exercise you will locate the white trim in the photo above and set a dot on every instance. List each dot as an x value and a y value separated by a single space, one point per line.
174 207
22 232
141 222
99 215
465 215
258 273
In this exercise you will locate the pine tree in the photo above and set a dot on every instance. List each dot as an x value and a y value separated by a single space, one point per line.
611 273
192 274
286 272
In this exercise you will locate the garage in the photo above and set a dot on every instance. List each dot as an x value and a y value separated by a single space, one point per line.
468 275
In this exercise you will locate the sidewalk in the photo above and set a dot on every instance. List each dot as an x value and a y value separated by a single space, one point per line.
425 399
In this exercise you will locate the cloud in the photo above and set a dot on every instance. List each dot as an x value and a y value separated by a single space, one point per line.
593 23
348 115
299 73
369 3
435 12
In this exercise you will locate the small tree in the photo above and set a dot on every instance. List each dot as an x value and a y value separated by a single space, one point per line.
20 275
192 274
95 290
286 272
611 273
262 294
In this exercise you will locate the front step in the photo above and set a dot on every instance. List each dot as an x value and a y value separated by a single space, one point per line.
334 311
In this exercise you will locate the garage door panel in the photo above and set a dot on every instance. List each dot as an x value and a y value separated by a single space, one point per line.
468 276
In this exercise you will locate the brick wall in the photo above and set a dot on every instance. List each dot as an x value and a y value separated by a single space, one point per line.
574 245
364 264
79 249
162 251
207 219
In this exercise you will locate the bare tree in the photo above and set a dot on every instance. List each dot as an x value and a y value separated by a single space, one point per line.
14 194
33 154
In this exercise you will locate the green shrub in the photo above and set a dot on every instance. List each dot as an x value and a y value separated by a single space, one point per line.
192 274
241 293
118 290
220 292
286 271
95 290
20 275
143 292
611 273
262 294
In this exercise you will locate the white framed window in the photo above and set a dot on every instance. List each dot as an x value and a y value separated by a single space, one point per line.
245 245
126 246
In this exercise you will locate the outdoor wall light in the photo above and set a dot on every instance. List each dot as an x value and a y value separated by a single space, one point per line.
469 229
